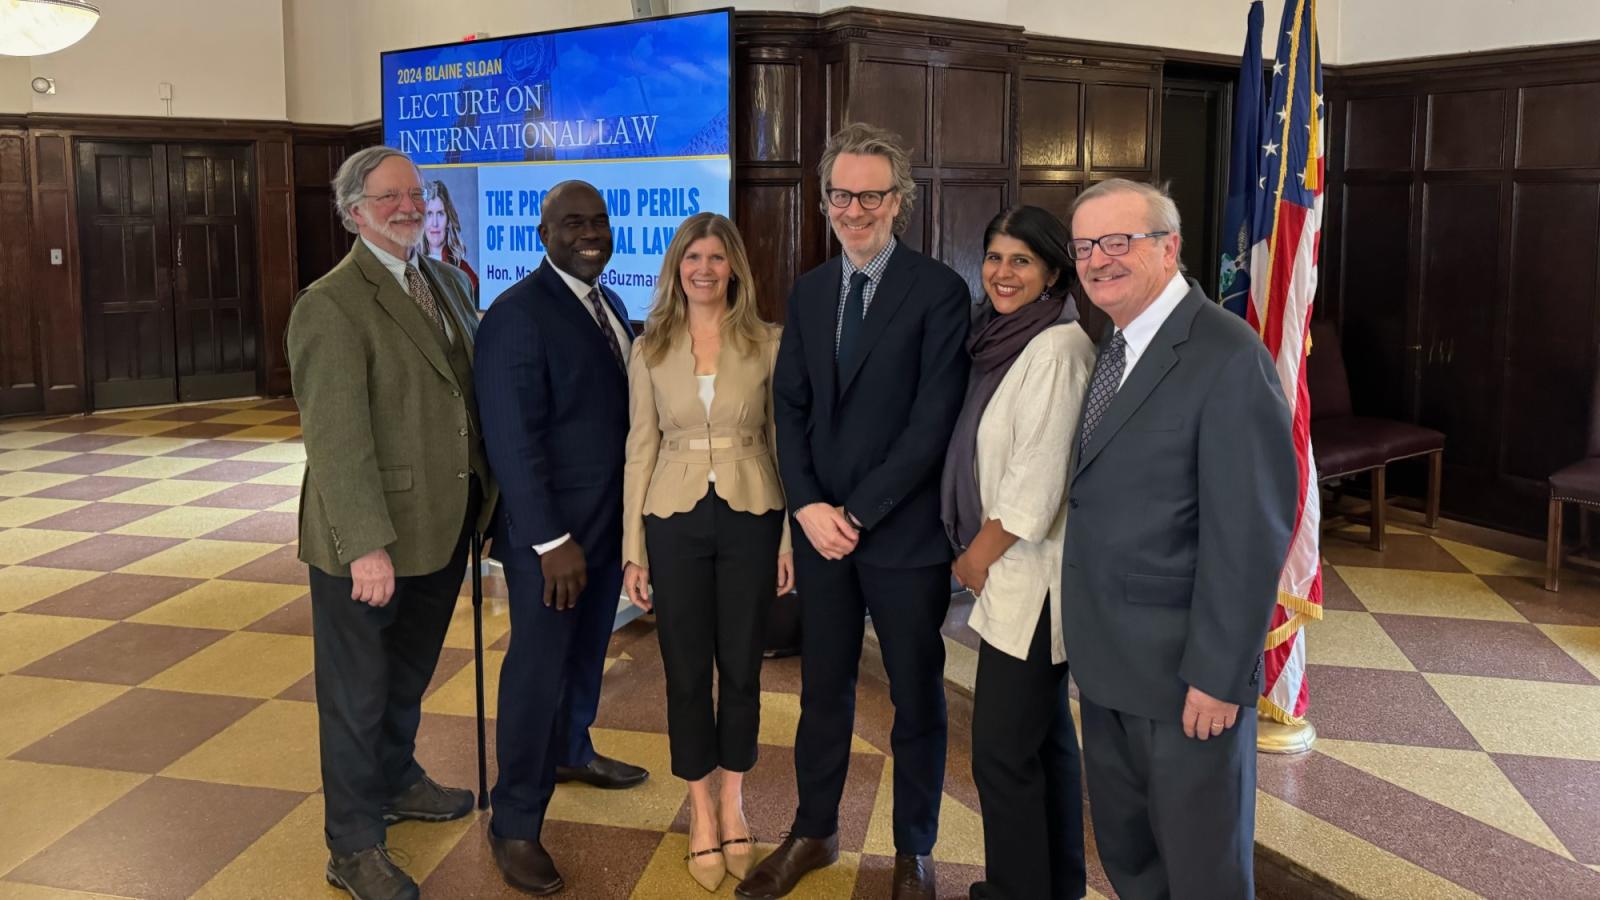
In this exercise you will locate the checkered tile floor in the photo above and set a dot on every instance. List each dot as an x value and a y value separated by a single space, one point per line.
158 737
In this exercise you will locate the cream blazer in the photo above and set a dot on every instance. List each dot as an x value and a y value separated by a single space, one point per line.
673 445
1026 441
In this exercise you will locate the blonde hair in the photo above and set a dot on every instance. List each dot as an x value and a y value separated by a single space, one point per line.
668 321
861 139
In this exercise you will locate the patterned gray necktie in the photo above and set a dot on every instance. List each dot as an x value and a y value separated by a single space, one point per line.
420 292
1103 385
605 327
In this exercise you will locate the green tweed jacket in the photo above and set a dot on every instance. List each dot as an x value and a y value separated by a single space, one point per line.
389 417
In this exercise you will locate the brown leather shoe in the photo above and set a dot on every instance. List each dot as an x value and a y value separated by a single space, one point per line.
914 878
782 870
525 865
604 772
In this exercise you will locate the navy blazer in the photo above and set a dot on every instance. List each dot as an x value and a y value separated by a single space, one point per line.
554 405
873 437
1180 513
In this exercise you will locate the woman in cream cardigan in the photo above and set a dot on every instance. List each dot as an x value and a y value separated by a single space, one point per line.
704 521
1005 509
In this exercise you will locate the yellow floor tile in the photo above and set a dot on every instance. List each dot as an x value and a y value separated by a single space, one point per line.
44 802
460 634
184 522
16 484
459 695
24 585
169 493
25 638
274 746
1489 562
1467 781
22 544
19 511
1461 596
291 505
1533 718
17 460
249 417
141 427
1581 643
288 476
1361 868
153 445
667 878
35 707
14 890
1345 638
132 412
22 440
243 664
265 433
278 453
652 805
960 828
229 605
19 545
426 844
158 467
780 718
200 559
287 861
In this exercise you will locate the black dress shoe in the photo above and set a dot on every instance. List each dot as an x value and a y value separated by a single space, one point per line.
371 874
914 878
525 865
603 772
782 870
428 801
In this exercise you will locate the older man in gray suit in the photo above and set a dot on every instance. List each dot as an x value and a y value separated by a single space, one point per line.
1182 503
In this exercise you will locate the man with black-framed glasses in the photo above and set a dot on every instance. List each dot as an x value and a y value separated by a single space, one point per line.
869 381
1183 490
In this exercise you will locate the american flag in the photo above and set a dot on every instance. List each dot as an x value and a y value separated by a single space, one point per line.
1285 235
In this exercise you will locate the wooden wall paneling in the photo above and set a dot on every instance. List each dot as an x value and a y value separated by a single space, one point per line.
965 208
1379 132
56 293
320 239
1054 196
19 356
1050 126
1376 222
277 242
1121 128
1558 125
1465 130
974 117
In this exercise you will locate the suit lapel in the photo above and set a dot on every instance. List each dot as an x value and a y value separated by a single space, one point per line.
400 307
892 291
575 310
817 320
1153 366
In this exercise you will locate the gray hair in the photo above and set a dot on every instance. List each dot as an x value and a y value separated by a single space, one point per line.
350 184
861 139
1163 210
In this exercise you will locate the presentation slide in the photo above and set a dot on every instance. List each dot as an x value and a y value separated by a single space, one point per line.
638 109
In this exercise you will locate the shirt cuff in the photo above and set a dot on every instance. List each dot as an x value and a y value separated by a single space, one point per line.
547 546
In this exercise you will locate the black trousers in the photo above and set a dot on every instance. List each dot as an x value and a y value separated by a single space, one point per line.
372 665
1029 774
1173 816
908 607
714 571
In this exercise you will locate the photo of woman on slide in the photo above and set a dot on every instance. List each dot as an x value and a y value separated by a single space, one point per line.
442 232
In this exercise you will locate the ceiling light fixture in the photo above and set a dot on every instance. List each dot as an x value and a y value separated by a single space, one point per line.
37 27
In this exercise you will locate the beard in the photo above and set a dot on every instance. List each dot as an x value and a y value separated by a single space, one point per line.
403 229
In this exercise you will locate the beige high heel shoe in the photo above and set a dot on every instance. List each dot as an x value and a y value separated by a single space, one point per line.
706 867
739 854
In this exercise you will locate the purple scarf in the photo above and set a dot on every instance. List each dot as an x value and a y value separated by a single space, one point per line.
996 342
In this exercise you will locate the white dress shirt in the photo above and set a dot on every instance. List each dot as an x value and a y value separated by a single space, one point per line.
397 268
1142 330
581 291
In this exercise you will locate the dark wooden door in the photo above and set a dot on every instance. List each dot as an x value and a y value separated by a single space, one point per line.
169 273
1194 164
125 233
214 277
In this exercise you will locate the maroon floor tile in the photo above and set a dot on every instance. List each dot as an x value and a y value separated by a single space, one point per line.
1403 551
202 827
305 689
1476 856
87 443
76 424
104 552
1384 707
232 470
212 449
140 731
263 527
596 861
875 878
633 695
97 517
1494 649
83 463
293 617
191 414
286 404
281 566
93 487
451 661
115 595
447 749
125 653
204 430
770 797
248 496
1566 795
287 421
1577 603
1336 594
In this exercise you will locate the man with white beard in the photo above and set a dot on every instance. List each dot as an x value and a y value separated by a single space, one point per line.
396 482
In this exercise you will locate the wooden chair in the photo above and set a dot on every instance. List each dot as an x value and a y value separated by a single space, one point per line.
1578 483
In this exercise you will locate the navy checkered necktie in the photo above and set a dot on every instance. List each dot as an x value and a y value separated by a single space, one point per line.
1103 385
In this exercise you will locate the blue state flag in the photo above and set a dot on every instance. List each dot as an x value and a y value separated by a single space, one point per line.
1244 165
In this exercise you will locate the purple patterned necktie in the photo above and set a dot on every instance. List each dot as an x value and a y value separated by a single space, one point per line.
605 326
1103 386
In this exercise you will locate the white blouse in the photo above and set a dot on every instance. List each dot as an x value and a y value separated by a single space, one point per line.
708 392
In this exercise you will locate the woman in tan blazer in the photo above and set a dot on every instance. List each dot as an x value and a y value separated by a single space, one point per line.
704 522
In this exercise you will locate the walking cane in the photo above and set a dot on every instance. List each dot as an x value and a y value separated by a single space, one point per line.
477 660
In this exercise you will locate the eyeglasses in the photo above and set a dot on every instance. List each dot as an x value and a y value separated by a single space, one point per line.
390 198
1110 244
868 199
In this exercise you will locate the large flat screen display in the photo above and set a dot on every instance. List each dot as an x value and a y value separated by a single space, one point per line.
638 109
